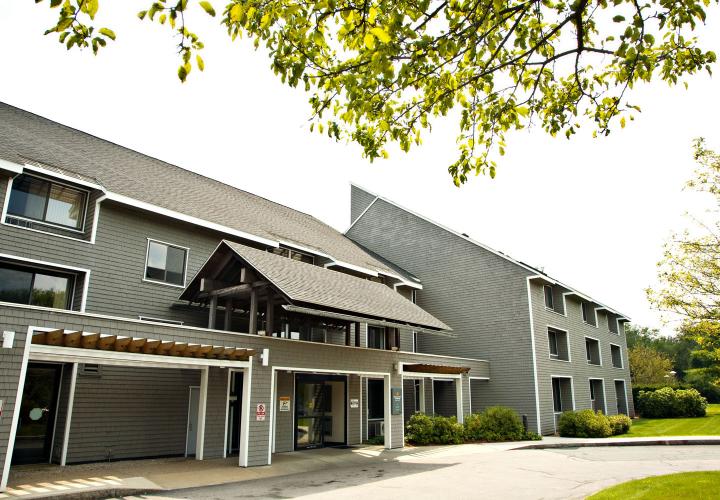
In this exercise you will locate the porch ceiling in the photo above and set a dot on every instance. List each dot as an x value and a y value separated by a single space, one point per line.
102 342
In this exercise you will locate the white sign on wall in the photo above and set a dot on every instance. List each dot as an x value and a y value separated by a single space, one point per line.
260 412
354 403
284 403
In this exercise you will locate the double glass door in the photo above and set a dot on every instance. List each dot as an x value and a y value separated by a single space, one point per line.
319 411
37 414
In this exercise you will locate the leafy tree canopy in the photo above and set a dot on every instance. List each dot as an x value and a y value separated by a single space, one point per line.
380 71
648 366
689 272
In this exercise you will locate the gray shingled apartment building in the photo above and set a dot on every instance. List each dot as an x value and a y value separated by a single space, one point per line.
550 347
148 311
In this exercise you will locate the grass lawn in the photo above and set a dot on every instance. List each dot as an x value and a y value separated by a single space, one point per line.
686 485
700 426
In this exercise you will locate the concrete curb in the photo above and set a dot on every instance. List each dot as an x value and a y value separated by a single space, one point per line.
98 494
611 442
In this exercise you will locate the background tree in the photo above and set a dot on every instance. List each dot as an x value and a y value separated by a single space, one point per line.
379 71
648 366
689 272
678 349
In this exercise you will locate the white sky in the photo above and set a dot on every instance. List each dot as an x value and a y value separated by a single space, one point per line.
593 213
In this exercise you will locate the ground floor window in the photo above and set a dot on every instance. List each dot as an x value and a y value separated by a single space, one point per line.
621 397
38 287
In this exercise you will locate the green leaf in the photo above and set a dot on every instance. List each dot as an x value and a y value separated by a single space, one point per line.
369 41
207 8
200 62
380 34
182 73
108 33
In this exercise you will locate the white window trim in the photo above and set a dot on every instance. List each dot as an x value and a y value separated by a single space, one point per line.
60 267
599 351
45 223
158 282
552 297
567 343
572 390
622 361
93 232
590 379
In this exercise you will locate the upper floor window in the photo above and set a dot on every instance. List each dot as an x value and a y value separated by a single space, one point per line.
616 354
592 351
587 313
612 324
294 254
376 337
24 285
165 263
558 344
47 202
549 301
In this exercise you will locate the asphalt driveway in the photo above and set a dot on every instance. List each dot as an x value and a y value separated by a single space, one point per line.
472 471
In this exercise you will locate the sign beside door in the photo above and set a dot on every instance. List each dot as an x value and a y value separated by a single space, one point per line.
396 400
354 403
284 403
260 411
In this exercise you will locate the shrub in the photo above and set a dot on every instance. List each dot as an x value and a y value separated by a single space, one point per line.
423 429
669 403
620 424
419 429
531 436
497 423
584 424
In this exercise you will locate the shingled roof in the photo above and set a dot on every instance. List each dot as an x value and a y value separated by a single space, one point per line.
26 138
307 284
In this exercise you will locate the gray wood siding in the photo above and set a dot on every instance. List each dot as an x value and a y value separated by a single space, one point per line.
578 367
481 296
284 429
359 201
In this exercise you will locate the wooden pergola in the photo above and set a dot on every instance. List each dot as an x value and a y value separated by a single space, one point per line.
436 369
117 343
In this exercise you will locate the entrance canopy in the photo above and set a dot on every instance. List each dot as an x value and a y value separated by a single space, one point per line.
238 271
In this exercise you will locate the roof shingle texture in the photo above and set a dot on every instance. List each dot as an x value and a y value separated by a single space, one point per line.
312 284
28 138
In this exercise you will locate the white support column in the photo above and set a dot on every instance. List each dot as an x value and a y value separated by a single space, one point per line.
422 396
16 412
68 417
245 416
388 413
459 400
202 410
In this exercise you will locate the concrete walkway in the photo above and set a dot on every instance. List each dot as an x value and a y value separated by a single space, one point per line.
144 476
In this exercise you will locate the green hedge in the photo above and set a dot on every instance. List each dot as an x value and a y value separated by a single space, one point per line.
494 424
694 379
670 403
592 424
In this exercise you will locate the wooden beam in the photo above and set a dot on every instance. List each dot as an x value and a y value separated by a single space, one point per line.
150 346
203 351
178 349
208 285
136 345
191 350
247 275
228 313
227 352
235 290
164 347
216 351
212 314
106 342
122 343
89 340
39 338
269 313
54 337
252 327
72 339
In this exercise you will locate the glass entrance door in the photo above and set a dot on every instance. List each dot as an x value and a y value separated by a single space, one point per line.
319 411
37 414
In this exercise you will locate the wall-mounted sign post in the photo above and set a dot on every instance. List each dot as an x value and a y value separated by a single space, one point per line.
284 403
260 412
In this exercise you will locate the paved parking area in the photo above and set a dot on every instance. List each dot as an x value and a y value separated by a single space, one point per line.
474 471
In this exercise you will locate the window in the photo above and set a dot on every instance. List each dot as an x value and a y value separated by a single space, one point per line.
548 296
558 344
587 313
376 398
294 254
417 387
612 324
597 394
44 201
616 354
376 337
165 263
592 351
35 287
